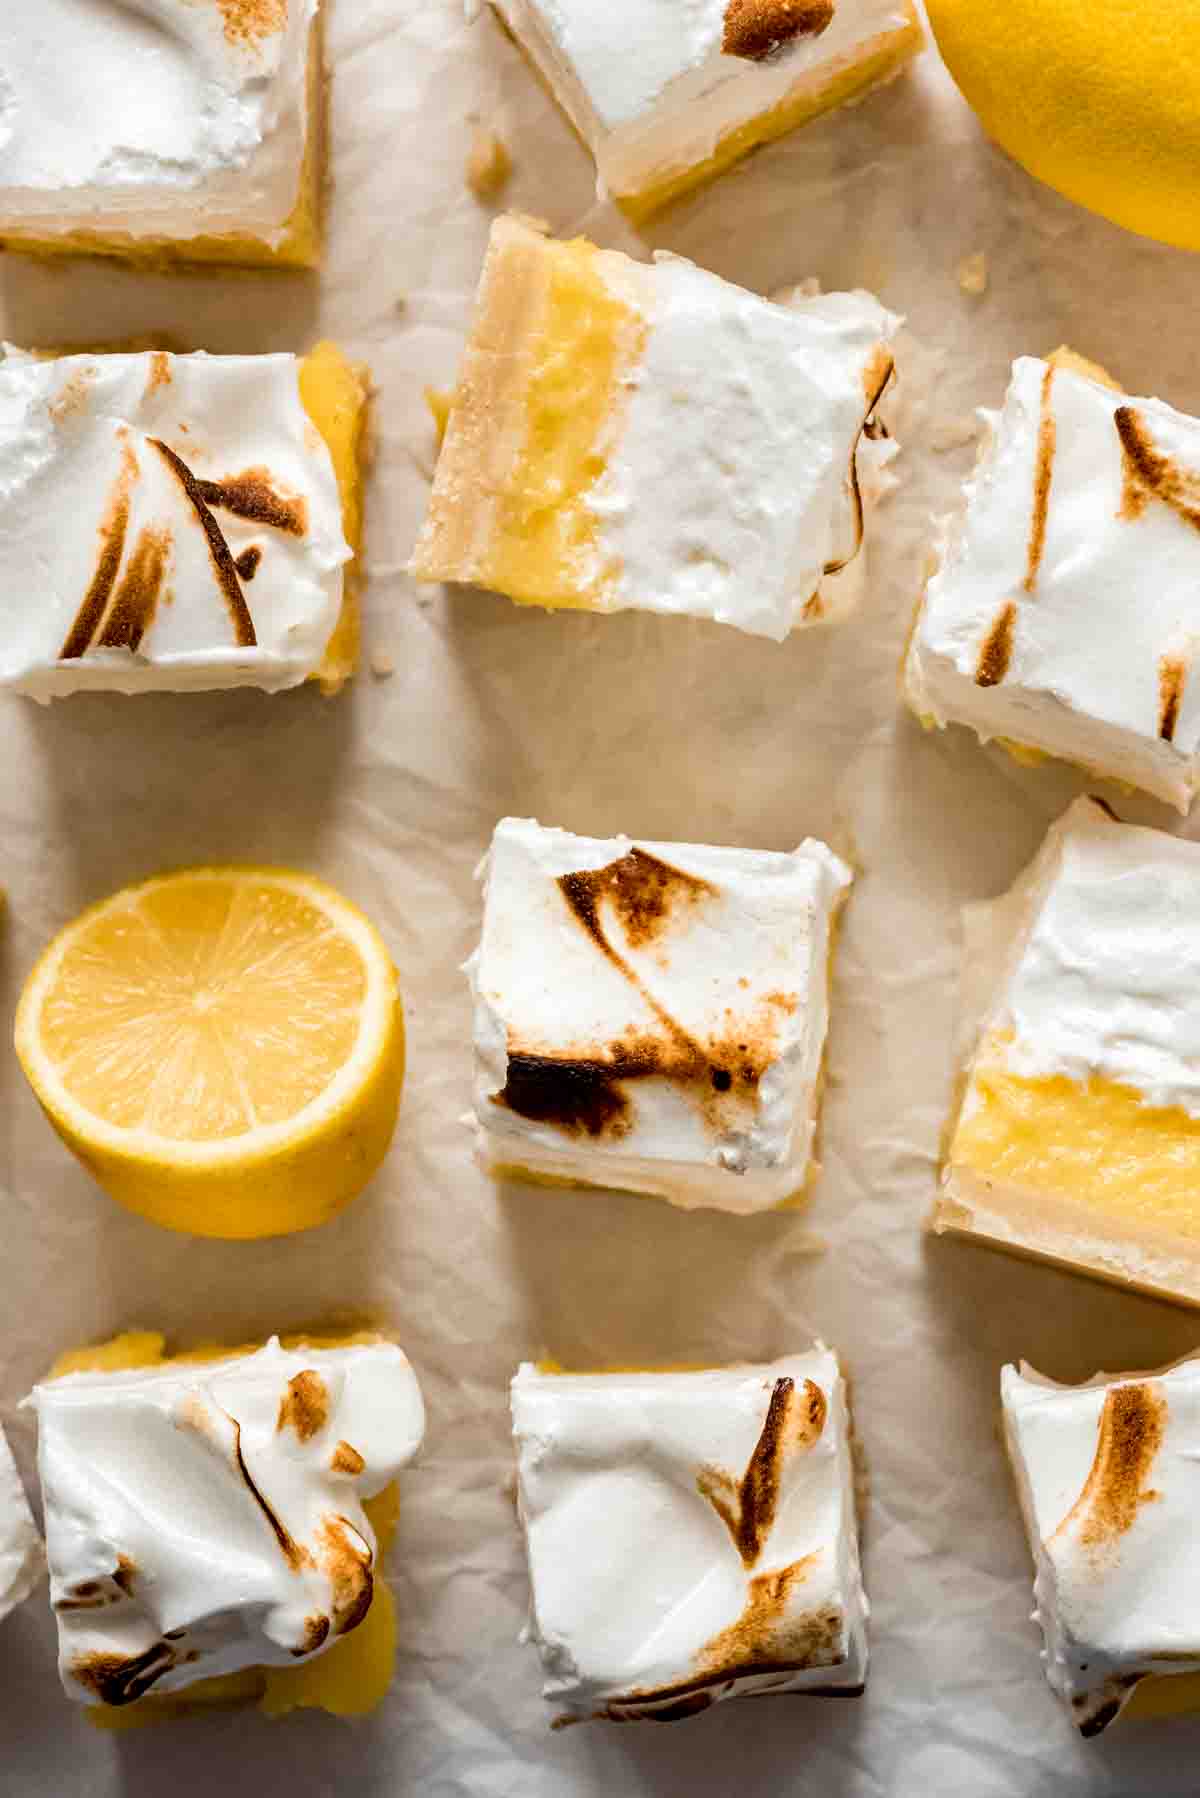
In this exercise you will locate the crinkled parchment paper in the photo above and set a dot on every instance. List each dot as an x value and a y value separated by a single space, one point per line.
659 728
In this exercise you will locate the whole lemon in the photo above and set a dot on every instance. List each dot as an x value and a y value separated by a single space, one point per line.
1098 98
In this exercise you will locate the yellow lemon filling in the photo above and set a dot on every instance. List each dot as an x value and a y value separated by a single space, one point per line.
1097 1146
300 242
334 392
350 1678
794 110
544 544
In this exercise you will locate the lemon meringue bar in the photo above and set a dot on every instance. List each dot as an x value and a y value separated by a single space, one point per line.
691 1536
1062 617
652 1016
178 522
22 1561
213 1518
1109 1481
669 93
169 129
628 434
1078 1133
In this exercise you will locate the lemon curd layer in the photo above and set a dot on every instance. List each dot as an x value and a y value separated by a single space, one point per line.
544 547
335 393
1097 1145
350 1678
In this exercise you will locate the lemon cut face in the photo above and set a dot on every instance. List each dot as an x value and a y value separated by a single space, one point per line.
1098 98
223 1048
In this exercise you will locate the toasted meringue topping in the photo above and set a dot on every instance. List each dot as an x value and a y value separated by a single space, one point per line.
166 119
149 491
205 1518
653 1015
655 85
717 1516
1063 616
1109 1479
22 1560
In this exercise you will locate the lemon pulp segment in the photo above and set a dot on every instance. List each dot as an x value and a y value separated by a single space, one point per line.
223 1049
543 549
350 1678
1098 1146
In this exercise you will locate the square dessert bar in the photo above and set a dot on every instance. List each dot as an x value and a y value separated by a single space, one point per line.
1109 1481
652 1016
691 1537
1065 613
1078 1133
220 1517
22 1562
178 522
182 129
668 93
629 434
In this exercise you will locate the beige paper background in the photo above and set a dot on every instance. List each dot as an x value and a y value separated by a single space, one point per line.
635 724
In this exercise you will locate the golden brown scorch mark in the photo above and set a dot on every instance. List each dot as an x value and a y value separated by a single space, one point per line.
316 1629
250 495
1043 476
160 372
117 1679
248 562
135 601
113 526
1130 1436
764 1638
759 29
1172 679
222 560
996 651
644 892
877 376
73 394
304 1406
747 1507
249 21
346 1459
1149 474
347 1560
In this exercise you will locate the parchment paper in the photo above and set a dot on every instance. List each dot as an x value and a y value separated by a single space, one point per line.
636 724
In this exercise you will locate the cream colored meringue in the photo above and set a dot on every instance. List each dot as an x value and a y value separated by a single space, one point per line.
1063 614
690 1536
652 1016
205 1518
166 522
166 119
1109 1479
22 1559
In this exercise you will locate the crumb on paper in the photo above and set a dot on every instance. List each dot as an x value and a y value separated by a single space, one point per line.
810 1246
973 273
808 289
488 166
440 400
954 433
382 665
401 302
532 222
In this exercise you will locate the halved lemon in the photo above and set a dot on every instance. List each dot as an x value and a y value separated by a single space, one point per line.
223 1048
